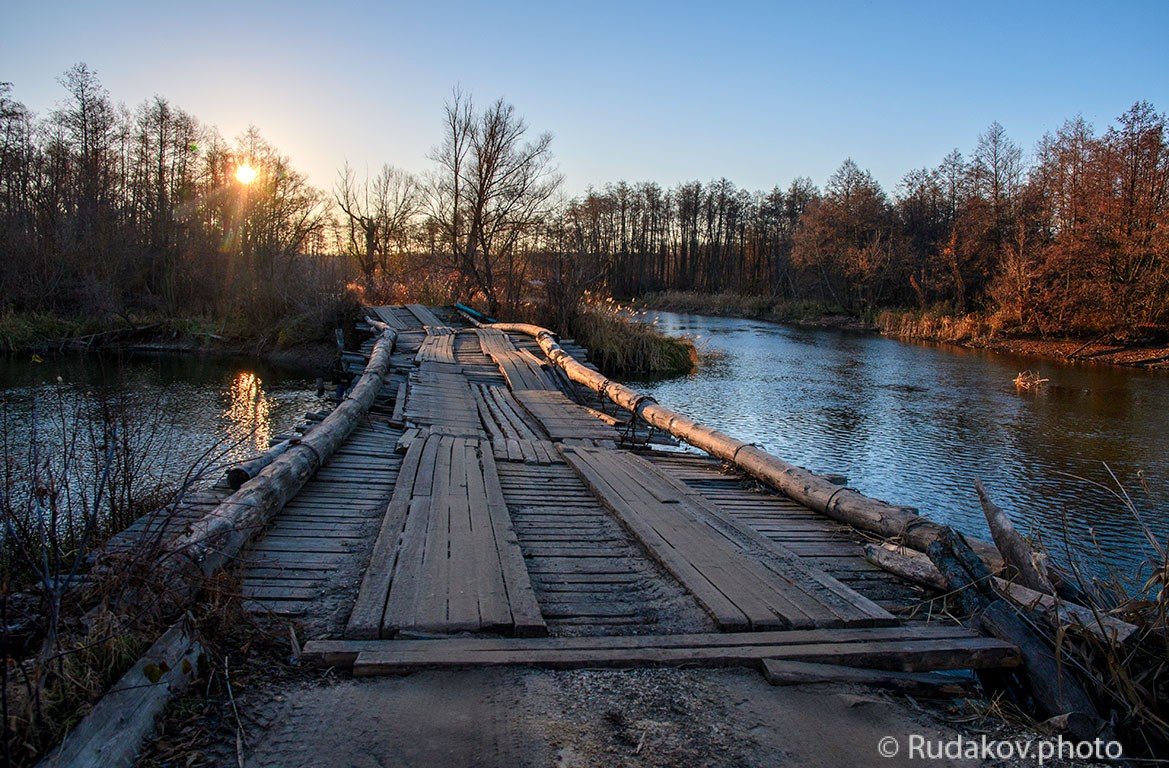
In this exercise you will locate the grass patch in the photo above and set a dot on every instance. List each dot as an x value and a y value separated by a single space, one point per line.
621 345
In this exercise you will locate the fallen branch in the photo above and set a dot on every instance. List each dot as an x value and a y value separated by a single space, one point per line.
1021 563
916 567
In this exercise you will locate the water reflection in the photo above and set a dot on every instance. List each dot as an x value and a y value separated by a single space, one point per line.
249 411
916 423
187 410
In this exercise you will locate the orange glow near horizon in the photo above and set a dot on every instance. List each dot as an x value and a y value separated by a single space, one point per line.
245 174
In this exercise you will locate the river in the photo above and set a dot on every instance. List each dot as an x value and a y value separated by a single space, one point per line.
910 423
184 410
915 424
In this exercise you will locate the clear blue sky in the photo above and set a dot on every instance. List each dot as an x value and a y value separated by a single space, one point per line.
757 92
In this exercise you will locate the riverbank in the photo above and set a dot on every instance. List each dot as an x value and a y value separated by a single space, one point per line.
296 345
976 331
973 331
809 314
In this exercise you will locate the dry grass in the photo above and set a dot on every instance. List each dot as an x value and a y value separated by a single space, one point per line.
938 326
621 345
1130 678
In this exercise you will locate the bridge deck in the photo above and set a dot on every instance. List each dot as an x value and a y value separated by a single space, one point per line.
508 506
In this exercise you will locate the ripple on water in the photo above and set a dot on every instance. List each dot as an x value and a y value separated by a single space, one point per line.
916 424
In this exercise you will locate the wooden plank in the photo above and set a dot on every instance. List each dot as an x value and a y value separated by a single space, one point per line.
407 587
432 585
424 315
396 419
345 651
906 656
820 591
387 316
525 611
725 569
724 610
459 567
487 565
561 418
366 618
788 672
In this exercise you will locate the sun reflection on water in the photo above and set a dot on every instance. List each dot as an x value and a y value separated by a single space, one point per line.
249 412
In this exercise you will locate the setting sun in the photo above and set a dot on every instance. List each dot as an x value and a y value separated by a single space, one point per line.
246 174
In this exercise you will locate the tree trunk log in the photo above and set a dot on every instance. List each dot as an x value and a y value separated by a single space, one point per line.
1021 563
245 471
907 567
1054 688
112 733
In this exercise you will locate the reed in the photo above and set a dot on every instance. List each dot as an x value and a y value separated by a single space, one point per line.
936 325
620 344
1130 678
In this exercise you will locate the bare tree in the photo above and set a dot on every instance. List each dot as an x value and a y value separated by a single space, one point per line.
378 213
492 189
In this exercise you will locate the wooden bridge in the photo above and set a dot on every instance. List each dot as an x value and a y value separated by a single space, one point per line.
489 511
481 498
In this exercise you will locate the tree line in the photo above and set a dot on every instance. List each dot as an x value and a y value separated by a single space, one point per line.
105 209
1076 241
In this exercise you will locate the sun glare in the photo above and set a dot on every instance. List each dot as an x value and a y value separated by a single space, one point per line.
246 174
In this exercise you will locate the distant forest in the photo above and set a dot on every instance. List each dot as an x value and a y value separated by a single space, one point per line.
108 210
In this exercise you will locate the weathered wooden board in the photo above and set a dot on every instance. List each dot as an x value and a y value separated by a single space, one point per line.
438 346
446 559
424 315
743 580
910 649
563 419
520 368
439 395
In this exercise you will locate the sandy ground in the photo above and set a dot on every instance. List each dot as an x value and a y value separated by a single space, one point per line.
573 719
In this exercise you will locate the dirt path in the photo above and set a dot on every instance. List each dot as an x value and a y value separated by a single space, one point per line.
519 717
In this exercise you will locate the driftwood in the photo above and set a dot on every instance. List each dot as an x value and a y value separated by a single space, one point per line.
786 672
900 563
219 536
1022 564
1053 686
245 471
811 490
918 568
111 734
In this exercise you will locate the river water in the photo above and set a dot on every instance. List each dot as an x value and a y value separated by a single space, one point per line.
915 424
912 424
182 411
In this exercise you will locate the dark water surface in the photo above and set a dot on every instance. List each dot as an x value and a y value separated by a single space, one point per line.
915 424
185 408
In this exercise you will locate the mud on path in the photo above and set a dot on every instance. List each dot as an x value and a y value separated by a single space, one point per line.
529 717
